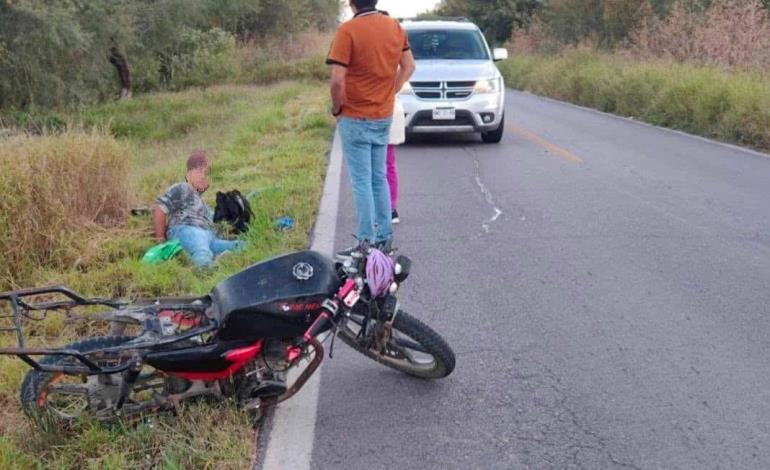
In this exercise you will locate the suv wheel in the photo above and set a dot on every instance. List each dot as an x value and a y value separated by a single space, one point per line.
495 136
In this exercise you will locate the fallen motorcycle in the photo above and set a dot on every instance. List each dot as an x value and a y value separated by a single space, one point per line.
236 343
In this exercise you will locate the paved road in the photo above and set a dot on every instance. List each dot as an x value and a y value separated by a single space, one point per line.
616 314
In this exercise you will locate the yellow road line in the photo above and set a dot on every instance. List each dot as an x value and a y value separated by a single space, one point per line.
536 139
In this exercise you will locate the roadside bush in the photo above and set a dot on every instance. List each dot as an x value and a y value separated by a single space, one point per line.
201 58
59 191
732 106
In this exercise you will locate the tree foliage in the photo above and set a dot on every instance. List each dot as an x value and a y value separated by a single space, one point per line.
54 52
495 17
605 22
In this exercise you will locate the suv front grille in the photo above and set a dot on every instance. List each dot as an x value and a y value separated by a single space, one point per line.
443 90
460 84
428 95
457 95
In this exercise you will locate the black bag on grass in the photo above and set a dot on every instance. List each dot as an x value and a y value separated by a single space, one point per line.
233 208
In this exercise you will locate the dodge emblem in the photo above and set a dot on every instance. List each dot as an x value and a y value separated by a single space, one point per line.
302 271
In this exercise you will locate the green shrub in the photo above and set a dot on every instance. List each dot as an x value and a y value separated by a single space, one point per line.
55 54
50 57
201 58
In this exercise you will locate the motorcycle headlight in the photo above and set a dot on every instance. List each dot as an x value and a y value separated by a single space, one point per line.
487 86
407 89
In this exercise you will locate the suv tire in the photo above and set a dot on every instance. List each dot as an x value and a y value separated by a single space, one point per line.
495 136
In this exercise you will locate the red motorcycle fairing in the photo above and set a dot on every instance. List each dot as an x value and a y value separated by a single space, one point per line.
208 362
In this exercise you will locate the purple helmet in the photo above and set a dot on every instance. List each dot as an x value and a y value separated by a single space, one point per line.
379 272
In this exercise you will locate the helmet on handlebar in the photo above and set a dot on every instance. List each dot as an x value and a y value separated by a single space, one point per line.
379 272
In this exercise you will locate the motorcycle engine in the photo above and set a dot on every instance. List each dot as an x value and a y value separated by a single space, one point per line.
266 375
275 354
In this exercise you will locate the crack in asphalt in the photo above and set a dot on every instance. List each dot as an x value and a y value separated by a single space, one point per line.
574 420
488 197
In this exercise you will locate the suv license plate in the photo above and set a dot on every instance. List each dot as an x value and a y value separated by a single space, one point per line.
444 114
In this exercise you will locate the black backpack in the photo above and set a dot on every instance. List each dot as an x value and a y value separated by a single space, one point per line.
233 208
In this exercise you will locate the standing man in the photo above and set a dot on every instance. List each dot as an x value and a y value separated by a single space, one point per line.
370 61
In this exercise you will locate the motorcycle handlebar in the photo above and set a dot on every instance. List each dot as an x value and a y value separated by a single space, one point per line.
329 310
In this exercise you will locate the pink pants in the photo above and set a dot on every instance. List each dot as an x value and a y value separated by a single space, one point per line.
392 175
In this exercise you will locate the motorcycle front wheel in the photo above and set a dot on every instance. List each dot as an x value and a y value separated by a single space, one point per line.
412 347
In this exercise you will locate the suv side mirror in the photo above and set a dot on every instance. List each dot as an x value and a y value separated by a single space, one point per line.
500 54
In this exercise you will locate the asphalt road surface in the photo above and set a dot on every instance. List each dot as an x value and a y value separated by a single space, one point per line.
605 286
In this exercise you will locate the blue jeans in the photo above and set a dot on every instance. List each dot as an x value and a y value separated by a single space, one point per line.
202 245
364 144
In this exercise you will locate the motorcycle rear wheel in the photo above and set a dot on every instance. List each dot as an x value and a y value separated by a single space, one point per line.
414 348
58 399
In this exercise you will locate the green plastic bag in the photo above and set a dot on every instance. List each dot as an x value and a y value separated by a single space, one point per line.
162 252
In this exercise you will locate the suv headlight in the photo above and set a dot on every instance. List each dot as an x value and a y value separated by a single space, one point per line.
487 86
407 89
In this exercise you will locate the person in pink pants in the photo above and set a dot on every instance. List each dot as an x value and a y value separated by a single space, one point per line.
397 137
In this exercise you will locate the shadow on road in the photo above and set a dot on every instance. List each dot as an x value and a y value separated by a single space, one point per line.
432 140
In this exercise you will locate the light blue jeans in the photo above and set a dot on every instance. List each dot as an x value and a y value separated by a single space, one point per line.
202 245
364 144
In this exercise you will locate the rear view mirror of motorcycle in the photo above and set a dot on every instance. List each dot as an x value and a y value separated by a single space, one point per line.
401 268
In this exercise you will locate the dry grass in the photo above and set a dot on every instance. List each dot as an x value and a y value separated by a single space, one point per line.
59 191
295 47
298 57
730 33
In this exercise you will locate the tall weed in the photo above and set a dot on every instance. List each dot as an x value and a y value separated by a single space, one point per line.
59 191
296 57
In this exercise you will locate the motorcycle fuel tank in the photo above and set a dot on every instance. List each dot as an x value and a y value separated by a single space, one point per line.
276 298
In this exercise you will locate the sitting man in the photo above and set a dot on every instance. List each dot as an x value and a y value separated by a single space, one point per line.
182 214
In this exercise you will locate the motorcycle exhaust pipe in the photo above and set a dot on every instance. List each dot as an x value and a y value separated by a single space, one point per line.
304 376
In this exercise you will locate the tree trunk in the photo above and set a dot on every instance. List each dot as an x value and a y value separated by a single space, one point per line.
124 74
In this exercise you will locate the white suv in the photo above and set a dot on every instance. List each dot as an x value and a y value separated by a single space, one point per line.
456 88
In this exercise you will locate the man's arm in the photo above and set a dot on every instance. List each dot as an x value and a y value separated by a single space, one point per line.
338 88
159 223
405 69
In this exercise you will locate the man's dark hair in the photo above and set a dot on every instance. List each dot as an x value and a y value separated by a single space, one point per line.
364 4
197 159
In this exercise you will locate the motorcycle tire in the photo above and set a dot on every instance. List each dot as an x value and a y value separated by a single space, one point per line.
426 341
34 388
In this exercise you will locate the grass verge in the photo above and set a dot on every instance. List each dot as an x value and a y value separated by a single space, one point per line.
729 106
269 142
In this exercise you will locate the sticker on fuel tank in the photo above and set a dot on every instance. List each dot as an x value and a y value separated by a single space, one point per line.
300 307
302 271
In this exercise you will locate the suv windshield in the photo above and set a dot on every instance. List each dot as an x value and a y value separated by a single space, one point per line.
432 44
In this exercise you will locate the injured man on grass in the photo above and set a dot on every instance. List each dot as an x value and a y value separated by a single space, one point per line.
181 214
